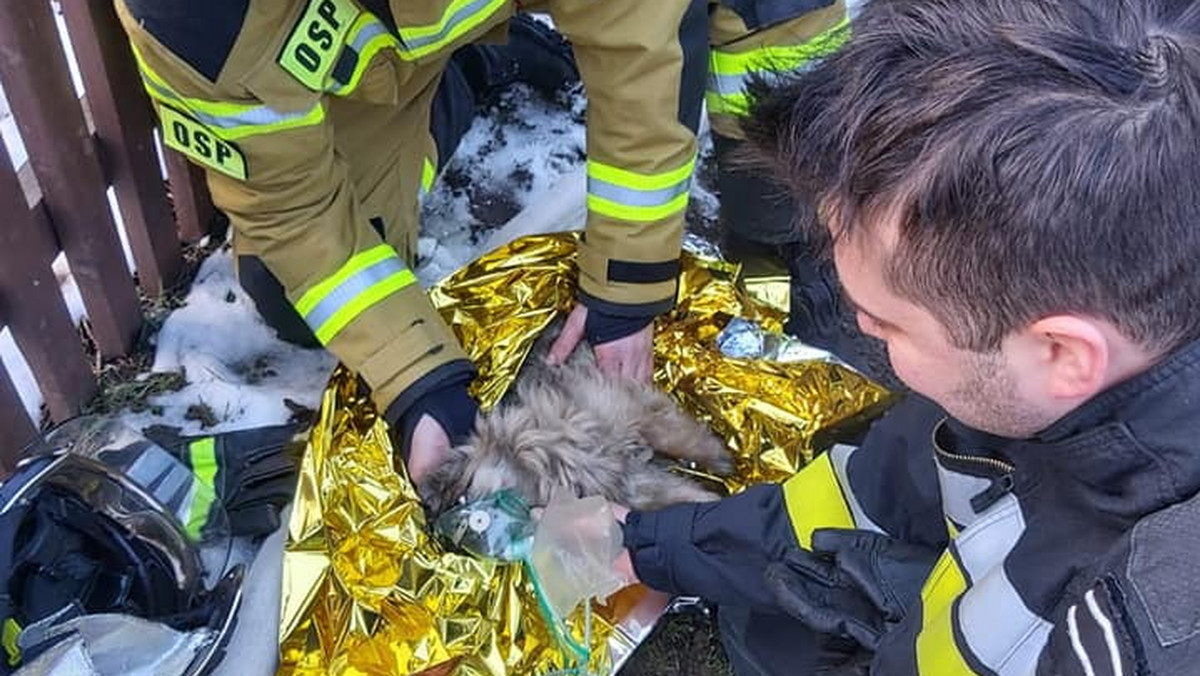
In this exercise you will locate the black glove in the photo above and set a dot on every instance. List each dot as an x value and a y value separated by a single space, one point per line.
601 327
451 406
249 470
854 584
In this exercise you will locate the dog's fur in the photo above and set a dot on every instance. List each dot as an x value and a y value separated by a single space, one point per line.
573 428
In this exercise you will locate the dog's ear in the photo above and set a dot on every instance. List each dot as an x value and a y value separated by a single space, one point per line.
442 487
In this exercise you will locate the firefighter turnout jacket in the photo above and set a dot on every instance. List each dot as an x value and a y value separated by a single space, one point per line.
311 118
1071 553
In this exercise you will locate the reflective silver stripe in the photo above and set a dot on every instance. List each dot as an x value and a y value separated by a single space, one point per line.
151 465
369 32
998 627
839 457
732 85
165 477
957 491
637 198
1001 631
251 118
728 85
464 13
349 289
161 90
990 538
259 115
1077 644
1110 637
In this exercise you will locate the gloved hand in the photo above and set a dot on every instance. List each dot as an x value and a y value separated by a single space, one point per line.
854 584
249 470
433 424
574 548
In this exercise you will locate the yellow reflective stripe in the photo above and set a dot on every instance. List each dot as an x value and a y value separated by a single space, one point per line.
631 196
230 121
364 301
730 72
11 631
727 104
780 57
814 500
202 454
938 654
362 281
459 18
428 174
625 212
357 263
636 181
366 49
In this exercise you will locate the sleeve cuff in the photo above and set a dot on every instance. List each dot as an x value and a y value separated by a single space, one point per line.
602 327
651 537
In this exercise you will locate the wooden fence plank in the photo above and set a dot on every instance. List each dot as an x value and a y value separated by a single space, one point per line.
189 196
32 305
34 71
125 129
18 430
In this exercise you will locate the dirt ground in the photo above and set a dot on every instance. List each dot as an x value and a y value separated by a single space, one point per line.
681 645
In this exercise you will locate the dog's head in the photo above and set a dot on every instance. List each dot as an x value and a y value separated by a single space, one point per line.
509 449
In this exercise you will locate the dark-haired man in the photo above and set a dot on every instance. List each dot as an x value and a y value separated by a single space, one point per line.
1011 190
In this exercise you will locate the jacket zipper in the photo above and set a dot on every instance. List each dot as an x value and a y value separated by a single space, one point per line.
993 463
1000 485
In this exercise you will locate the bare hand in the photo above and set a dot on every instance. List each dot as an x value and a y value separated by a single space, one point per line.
430 447
623 565
630 357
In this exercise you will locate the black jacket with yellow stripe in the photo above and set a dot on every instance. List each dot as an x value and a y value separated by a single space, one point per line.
312 118
1040 535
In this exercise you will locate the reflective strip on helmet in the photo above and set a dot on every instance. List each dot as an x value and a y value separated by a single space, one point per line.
366 38
460 17
630 196
428 174
363 281
731 72
203 456
188 492
814 499
229 121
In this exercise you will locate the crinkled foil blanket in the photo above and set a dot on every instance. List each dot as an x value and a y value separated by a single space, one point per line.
368 591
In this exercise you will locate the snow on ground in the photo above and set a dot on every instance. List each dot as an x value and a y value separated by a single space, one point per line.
238 373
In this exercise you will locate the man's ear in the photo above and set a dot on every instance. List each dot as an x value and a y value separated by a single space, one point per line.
1074 354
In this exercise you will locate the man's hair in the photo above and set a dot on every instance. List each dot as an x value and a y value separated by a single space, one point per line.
1042 157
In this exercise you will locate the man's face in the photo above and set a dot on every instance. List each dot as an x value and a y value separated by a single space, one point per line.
982 390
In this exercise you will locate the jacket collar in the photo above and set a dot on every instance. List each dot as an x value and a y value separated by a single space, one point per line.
1139 439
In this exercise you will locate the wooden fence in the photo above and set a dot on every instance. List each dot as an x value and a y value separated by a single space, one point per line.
57 202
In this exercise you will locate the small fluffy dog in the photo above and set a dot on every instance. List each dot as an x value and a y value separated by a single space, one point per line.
573 428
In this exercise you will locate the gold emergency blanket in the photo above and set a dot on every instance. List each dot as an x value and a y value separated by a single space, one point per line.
368 591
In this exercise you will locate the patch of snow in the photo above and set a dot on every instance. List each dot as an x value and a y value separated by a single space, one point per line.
510 158
236 367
